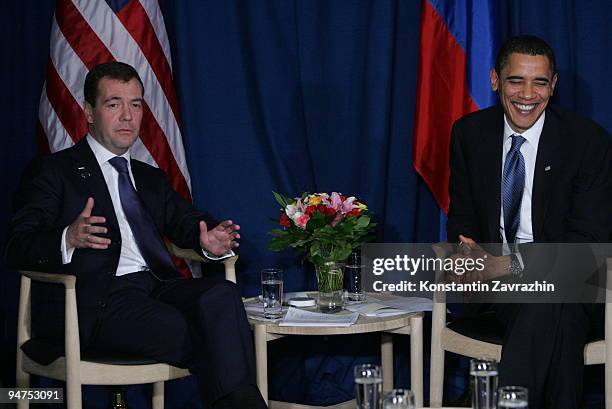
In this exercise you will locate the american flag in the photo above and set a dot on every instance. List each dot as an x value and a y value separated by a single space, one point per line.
85 33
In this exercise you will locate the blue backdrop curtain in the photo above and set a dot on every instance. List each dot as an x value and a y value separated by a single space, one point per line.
295 96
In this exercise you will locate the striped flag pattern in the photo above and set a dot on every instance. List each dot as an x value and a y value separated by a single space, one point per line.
85 33
457 45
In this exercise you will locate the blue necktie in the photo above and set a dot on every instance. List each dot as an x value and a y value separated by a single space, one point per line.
147 237
513 182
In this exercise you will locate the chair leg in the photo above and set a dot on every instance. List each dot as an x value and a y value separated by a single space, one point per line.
23 381
73 397
416 359
436 383
158 395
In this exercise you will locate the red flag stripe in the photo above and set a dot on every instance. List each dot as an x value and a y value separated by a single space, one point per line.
136 21
157 21
151 135
67 109
68 65
57 136
85 42
441 85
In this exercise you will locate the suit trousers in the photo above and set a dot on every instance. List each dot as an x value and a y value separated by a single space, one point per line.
543 350
198 324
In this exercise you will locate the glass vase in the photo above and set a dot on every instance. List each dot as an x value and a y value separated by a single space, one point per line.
330 284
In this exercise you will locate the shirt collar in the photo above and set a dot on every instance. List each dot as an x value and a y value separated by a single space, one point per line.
531 135
102 154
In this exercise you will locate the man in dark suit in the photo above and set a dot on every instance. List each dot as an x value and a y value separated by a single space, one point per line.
93 211
527 172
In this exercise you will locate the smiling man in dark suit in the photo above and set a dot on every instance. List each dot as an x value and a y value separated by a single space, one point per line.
95 212
525 172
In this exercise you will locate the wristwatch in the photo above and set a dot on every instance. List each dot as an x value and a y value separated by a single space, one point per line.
515 268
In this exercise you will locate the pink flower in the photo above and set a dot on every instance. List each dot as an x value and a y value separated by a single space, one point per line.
348 205
335 201
300 205
302 220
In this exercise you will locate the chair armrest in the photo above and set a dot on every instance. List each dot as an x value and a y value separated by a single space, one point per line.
192 255
69 281
186 254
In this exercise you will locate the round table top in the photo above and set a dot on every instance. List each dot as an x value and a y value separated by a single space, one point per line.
363 324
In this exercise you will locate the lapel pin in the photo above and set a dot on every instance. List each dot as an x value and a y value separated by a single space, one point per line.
547 168
83 172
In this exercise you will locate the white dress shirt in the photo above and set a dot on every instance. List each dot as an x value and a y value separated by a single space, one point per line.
529 149
130 259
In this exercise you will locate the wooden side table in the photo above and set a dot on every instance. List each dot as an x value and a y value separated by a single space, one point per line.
408 324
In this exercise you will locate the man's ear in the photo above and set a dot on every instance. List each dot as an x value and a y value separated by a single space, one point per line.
553 83
494 80
88 112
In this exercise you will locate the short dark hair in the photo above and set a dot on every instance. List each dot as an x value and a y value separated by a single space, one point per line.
524 44
115 70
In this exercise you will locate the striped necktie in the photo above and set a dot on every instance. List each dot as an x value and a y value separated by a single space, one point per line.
513 182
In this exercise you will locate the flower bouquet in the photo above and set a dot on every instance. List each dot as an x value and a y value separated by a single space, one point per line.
326 228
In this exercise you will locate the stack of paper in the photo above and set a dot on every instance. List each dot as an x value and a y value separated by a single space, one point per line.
389 307
301 318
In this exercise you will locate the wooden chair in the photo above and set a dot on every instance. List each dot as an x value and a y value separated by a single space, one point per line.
484 340
92 369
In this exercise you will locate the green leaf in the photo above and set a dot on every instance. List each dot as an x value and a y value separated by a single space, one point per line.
362 221
282 200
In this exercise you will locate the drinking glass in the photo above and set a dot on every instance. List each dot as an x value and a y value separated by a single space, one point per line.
352 277
272 292
484 383
512 397
368 386
399 399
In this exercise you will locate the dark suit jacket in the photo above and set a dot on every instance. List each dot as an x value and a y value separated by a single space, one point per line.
51 197
571 197
571 201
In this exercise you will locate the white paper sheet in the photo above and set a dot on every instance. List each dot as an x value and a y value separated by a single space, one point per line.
301 318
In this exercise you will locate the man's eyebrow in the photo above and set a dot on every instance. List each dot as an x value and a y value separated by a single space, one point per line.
116 98
518 77
542 79
111 99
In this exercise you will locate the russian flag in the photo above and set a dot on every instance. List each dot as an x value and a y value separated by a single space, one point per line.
457 51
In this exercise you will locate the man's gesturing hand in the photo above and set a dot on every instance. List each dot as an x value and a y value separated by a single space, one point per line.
82 232
221 239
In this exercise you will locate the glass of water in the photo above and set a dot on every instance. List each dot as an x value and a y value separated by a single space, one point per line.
399 399
512 397
484 383
368 386
352 277
272 292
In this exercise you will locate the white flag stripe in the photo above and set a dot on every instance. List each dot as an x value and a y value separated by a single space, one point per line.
67 64
138 150
123 47
57 135
157 21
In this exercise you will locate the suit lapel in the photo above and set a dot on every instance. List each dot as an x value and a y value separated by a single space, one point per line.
88 172
491 144
545 168
147 190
